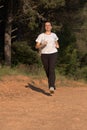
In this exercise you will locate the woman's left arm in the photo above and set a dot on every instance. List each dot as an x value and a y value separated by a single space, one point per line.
57 44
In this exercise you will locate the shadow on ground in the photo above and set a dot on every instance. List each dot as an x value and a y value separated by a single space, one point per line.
34 88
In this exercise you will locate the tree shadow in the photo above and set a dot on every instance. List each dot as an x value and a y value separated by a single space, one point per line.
34 88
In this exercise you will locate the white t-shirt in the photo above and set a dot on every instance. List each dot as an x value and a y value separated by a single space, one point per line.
50 39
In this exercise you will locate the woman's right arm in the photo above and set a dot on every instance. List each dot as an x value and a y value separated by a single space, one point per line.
40 46
37 45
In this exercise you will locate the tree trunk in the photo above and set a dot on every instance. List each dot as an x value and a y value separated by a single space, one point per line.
7 38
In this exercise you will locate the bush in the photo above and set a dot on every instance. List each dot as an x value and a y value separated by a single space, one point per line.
81 73
22 53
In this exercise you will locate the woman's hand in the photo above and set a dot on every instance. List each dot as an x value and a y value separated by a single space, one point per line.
40 46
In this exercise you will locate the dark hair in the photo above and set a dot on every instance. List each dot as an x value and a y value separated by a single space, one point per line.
48 22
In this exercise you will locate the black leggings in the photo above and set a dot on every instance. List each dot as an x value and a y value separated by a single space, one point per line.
49 62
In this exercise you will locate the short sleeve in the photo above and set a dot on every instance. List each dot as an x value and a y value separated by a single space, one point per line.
39 38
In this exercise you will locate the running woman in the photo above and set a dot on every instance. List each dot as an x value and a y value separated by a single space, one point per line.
47 43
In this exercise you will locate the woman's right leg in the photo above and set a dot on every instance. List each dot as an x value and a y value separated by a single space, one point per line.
44 58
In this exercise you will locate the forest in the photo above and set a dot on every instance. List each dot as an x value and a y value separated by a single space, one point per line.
22 20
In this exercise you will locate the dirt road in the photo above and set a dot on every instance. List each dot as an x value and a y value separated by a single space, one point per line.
25 104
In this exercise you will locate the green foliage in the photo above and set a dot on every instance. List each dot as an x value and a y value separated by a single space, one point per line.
52 3
69 18
67 42
73 63
68 55
32 24
72 52
22 53
82 73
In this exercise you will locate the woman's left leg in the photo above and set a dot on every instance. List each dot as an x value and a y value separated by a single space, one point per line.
52 63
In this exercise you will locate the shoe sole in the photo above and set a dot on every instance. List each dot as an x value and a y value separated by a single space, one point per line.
52 91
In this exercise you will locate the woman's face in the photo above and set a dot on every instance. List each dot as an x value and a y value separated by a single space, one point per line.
48 26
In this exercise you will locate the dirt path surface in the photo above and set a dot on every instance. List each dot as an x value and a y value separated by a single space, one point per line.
25 104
